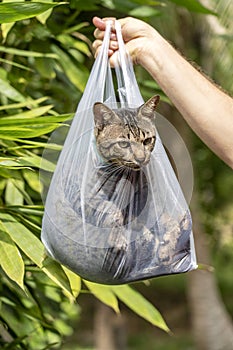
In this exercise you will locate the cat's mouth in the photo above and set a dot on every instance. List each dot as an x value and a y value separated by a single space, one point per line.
137 165
132 165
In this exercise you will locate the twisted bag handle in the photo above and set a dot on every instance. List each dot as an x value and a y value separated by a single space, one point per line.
128 90
100 87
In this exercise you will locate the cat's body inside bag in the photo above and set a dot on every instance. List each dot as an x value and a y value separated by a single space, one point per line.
115 212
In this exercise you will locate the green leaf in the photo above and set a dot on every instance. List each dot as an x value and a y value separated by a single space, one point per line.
11 63
16 325
5 28
33 227
13 196
37 162
54 270
36 210
32 178
9 91
76 27
194 6
46 67
31 118
77 74
34 249
75 281
136 302
24 53
10 258
19 185
28 102
14 11
27 161
104 293
144 11
25 240
45 15
7 173
35 144
10 163
23 132
36 112
69 42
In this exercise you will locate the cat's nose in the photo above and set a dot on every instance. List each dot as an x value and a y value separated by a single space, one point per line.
140 158
138 153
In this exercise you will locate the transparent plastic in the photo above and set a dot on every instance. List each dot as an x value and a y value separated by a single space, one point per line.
112 225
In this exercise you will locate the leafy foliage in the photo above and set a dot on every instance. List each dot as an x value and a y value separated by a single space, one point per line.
35 292
14 11
46 58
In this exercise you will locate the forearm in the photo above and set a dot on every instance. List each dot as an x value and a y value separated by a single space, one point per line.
207 110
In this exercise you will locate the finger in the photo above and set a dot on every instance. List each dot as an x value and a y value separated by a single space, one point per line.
113 36
96 52
98 34
99 23
113 45
96 48
96 44
110 52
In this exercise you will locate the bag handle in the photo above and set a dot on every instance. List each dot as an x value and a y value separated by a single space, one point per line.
127 85
100 87
95 89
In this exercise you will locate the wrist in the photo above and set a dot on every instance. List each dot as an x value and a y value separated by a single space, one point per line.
151 51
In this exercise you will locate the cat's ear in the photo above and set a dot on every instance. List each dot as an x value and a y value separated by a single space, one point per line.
149 107
103 115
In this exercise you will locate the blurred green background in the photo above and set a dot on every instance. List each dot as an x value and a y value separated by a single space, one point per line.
46 58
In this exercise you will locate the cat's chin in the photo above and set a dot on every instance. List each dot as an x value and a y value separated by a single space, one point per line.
128 165
134 167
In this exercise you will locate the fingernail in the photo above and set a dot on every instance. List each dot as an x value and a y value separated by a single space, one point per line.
113 36
114 44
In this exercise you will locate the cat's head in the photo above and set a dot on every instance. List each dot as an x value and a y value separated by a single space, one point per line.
126 136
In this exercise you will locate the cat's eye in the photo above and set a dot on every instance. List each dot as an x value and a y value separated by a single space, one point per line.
105 144
148 141
123 144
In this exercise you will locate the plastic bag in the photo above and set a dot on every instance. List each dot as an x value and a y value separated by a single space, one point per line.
113 224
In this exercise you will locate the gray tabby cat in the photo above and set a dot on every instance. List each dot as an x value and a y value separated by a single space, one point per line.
121 248
125 138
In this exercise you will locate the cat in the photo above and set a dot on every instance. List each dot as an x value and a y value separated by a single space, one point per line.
104 234
125 139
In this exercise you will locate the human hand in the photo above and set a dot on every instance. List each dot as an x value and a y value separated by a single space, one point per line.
136 34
